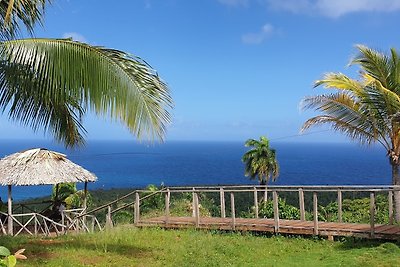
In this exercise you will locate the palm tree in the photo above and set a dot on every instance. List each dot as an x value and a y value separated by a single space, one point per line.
366 110
260 161
51 83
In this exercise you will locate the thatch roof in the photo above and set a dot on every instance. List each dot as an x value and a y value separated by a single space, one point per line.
40 166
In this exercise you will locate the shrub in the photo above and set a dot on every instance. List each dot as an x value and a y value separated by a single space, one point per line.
286 211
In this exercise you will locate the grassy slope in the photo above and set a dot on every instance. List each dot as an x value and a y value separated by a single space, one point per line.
128 246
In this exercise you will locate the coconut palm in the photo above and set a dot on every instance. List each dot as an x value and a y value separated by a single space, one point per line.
260 161
51 83
368 109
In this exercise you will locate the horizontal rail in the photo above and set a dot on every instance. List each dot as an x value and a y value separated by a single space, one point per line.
121 198
143 198
283 188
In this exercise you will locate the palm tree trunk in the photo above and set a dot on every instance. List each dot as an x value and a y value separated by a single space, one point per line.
396 181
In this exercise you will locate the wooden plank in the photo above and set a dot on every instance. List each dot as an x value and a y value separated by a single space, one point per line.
393 231
315 212
301 205
286 226
385 228
276 211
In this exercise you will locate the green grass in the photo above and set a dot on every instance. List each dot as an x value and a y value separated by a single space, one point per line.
129 246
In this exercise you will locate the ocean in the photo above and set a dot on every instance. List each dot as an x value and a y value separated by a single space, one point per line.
122 164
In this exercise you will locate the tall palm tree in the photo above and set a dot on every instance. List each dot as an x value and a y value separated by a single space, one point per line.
51 83
260 161
368 109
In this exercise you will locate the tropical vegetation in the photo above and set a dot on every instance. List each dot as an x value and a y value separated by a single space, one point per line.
367 109
51 84
260 161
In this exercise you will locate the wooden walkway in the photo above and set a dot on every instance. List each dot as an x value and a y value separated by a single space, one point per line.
329 229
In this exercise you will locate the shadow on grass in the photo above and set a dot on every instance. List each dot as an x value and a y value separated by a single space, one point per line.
358 243
49 248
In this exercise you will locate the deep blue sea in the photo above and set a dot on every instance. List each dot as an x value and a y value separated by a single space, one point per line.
119 164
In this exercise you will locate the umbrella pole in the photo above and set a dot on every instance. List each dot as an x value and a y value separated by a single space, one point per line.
56 197
10 219
85 197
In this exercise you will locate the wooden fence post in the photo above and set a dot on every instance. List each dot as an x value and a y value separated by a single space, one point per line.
109 223
265 194
233 211
255 202
36 226
222 201
315 212
193 204
276 211
136 217
301 205
196 209
62 222
167 204
390 202
339 199
372 214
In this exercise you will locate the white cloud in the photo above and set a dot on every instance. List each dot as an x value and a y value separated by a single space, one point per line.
234 2
147 4
75 36
257 38
335 8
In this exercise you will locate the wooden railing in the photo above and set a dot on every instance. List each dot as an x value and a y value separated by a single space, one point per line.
231 191
87 220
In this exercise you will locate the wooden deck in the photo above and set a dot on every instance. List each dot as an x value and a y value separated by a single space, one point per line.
329 229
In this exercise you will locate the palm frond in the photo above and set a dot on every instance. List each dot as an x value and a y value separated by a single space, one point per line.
13 13
352 131
78 77
339 81
374 63
341 110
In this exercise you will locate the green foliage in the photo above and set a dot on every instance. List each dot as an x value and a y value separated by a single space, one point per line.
63 190
17 12
260 161
356 210
286 211
365 110
9 260
155 202
68 193
123 217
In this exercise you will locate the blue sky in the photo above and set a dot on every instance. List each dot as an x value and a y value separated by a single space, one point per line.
237 69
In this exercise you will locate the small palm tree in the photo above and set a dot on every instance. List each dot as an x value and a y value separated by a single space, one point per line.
366 110
260 161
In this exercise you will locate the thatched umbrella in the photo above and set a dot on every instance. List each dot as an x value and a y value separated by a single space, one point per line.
40 166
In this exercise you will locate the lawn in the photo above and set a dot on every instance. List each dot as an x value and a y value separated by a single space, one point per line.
129 246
